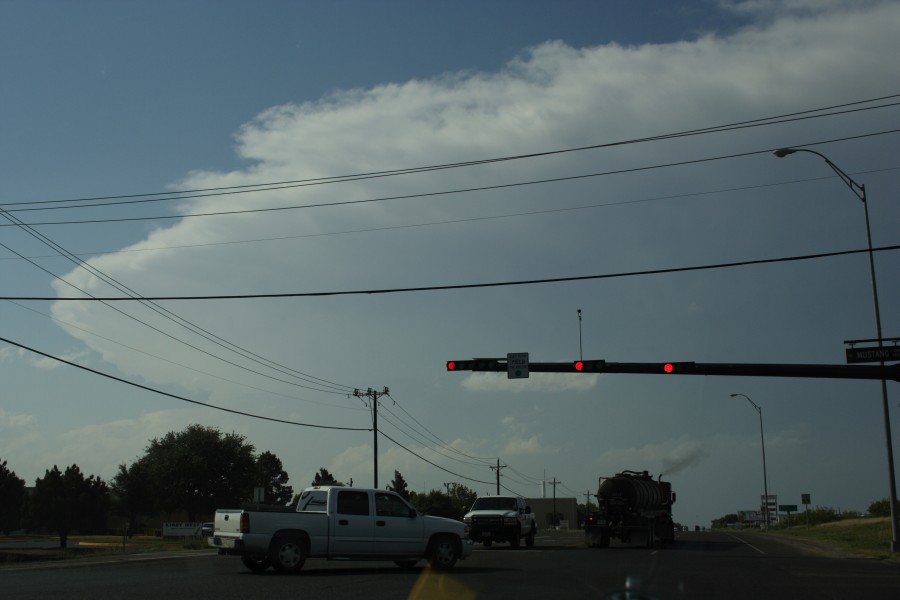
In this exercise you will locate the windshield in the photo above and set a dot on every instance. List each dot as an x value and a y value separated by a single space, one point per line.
476 255
494 504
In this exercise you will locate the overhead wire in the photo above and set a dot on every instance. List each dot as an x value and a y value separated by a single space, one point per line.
174 363
176 396
773 120
454 191
322 384
462 286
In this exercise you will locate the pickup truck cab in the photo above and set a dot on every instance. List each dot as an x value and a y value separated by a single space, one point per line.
501 519
339 523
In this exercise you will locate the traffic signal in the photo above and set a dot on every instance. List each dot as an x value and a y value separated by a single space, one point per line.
478 364
678 368
589 366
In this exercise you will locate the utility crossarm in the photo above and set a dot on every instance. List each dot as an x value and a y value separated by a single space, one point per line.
877 372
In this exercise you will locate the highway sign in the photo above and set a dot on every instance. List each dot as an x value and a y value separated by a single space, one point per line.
873 354
788 508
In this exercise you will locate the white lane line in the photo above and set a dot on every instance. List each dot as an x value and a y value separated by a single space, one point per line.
746 543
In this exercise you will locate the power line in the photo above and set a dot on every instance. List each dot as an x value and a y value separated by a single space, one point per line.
177 397
435 288
177 364
449 192
472 219
185 194
171 316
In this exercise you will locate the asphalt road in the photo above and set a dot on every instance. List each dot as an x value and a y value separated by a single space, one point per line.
702 566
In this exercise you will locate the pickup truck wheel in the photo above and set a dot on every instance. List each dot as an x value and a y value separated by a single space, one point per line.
444 552
287 555
529 539
516 539
256 563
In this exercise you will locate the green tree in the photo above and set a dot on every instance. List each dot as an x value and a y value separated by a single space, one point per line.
881 508
134 492
12 499
435 503
271 475
323 477
67 501
462 498
398 484
200 469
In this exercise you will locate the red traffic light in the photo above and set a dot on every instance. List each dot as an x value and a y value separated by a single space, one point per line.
669 368
579 365
451 365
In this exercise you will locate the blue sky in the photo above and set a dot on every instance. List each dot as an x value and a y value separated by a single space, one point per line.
125 98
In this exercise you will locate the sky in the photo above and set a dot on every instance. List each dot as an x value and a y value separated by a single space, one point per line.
202 149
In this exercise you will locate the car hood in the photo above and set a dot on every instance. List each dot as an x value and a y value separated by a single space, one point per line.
492 513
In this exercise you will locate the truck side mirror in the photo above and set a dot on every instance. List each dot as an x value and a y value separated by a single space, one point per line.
527 509
413 513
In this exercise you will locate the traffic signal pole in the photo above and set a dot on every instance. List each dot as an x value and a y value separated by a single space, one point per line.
877 372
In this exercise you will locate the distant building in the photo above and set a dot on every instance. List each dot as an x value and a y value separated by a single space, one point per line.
543 509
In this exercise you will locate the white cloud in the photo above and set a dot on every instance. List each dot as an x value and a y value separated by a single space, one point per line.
15 421
535 383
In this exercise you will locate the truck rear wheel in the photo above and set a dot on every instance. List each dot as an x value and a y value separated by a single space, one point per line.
443 553
287 554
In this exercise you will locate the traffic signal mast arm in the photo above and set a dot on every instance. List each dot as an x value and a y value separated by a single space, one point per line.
877 372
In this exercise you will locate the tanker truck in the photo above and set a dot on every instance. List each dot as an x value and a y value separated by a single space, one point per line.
631 504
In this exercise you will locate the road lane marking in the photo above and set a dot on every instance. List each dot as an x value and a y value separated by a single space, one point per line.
747 543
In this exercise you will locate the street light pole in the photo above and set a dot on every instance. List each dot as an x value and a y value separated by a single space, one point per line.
762 440
859 191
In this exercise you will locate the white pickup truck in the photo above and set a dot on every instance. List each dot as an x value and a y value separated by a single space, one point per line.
501 519
339 523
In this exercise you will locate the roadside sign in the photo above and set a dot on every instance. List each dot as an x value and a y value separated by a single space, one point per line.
517 365
804 498
873 354
788 508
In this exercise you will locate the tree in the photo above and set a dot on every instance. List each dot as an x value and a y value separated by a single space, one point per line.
398 484
435 503
271 475
67 501
323 477
12 499
881 508
463 498
133 492
200 469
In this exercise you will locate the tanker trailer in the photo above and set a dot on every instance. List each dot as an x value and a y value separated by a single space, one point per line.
631 504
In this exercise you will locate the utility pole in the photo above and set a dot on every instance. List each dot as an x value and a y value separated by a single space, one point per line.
587 500
555 515
373 397
497 468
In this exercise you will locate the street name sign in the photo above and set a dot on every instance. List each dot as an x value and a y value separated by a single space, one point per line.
517 365
873 354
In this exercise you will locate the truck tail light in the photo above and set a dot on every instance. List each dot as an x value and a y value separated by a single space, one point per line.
245 522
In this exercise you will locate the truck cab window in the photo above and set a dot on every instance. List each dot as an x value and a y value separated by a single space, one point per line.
389 505
313 501
353 503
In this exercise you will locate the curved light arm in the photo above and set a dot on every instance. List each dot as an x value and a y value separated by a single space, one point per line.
859 190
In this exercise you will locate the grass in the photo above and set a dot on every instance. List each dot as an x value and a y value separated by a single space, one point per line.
869 537
95 545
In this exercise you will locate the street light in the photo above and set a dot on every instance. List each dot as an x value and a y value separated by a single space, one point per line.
762 440
859 191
